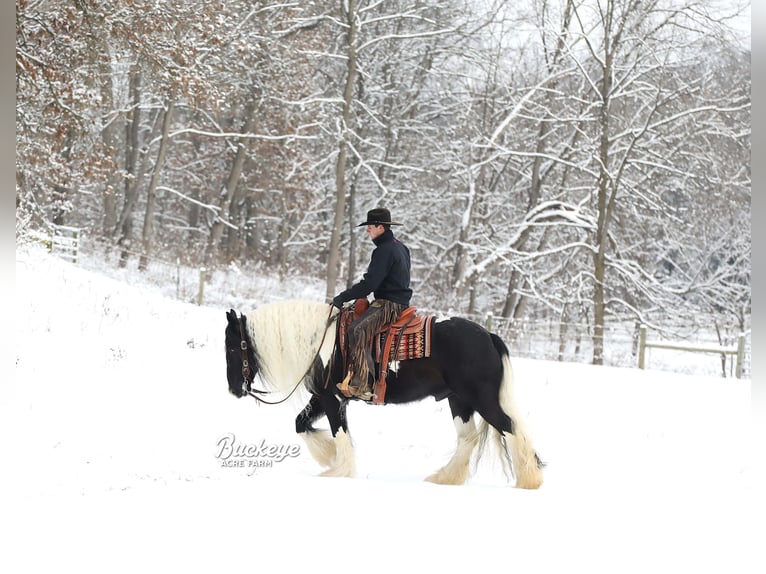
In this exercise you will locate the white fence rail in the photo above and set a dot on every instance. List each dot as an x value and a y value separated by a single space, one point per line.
738 351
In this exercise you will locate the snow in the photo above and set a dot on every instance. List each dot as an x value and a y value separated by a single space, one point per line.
111 426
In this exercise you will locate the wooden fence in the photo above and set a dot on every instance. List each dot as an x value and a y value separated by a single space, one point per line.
738 351
65 242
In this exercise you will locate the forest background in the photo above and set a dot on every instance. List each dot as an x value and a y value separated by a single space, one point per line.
577 162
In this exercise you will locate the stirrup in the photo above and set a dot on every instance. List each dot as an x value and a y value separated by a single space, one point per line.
367 396
351 386
357 388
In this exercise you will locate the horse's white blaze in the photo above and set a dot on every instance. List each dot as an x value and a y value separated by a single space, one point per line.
321 446
525 467
344 463
286 335
456 470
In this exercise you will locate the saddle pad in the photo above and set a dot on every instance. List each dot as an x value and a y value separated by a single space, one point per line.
415 345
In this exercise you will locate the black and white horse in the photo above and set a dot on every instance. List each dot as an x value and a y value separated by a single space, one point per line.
291 342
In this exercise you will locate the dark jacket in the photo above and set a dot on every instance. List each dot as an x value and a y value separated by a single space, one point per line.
387 277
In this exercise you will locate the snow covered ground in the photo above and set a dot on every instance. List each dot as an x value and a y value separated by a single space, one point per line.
112 427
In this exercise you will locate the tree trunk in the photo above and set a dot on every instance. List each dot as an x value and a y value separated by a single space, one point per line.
123 230
513 301
461 257
512 298
151 195
284 233
333 259
352 237
603 201
98 46
232 182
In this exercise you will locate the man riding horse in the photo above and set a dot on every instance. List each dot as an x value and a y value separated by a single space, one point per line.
388 279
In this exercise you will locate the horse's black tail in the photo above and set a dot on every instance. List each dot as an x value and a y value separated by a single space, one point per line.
527 465
502 348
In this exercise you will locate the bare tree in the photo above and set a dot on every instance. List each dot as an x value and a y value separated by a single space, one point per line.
232 182
351 16
147 237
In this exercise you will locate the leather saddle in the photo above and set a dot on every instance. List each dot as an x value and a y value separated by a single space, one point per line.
409 337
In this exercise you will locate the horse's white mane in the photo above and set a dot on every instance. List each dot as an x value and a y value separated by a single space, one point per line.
286 335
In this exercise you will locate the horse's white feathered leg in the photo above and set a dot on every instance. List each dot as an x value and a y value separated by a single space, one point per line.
456 470
344 463
526 464
321 446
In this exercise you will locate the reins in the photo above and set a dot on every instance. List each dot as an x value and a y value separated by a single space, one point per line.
246 364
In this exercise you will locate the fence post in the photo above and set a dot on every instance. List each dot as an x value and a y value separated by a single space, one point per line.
75 245
201 293
740 355
489 322
641 345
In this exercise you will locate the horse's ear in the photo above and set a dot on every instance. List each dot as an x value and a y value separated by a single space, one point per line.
231 315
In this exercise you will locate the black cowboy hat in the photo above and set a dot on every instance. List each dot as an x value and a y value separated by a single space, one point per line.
378 216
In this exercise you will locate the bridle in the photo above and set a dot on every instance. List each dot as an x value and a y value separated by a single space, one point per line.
247 382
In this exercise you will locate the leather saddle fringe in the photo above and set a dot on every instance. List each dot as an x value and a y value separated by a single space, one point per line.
394 337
